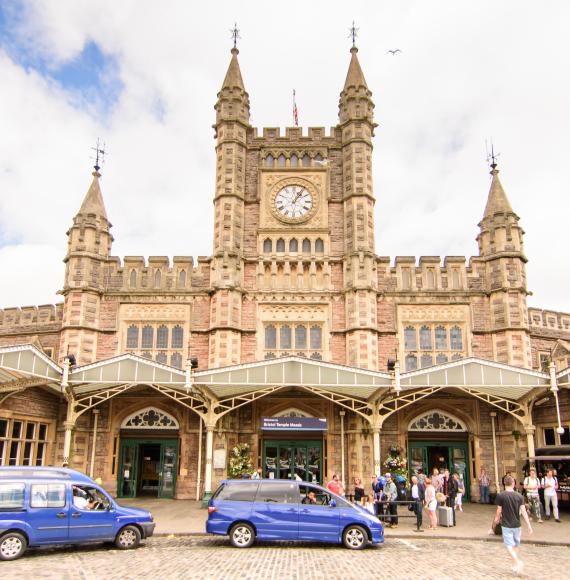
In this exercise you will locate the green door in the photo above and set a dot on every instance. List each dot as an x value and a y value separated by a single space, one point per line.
128 468
293 459
132 464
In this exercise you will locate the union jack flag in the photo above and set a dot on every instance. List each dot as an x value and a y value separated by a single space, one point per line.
295 113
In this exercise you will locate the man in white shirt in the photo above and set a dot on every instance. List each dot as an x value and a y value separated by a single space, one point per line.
550 485
532 485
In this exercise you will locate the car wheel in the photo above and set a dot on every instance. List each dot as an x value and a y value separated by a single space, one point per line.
128 538
242 536
355 538
12 546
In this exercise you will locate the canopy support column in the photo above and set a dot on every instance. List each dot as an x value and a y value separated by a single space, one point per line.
554 390
376 445
71 417
495 457
530 429
210 425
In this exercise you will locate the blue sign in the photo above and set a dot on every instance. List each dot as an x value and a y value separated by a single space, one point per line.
293 424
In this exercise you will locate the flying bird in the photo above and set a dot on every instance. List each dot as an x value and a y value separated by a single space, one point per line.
393 52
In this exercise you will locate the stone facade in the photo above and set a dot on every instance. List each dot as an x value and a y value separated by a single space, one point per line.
309 275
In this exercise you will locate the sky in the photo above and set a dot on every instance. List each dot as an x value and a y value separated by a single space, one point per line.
142 76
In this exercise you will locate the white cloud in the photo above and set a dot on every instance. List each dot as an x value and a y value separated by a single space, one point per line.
467 72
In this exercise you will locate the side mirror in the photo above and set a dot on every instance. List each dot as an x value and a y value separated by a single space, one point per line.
332 503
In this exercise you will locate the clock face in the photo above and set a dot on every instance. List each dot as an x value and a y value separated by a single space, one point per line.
293 202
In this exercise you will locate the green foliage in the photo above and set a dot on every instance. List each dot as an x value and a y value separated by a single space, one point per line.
240 461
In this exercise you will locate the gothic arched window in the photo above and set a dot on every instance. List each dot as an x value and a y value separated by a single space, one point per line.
411 362
316 338
162 337
294 160
147 355
441 359
177 337
133 279
269 161
426 360
133 336
270 336
182 279
281 160
267 246
425 338
300 337
176 360
147 337
293 246
430 279
280 245
157 279
161 358
319 246
306 246
306 160
285 337
455 338
410 338
318 157
440 338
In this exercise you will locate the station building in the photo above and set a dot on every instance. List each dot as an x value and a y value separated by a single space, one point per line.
318 353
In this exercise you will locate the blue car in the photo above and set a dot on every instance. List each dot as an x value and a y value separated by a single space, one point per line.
270 509
42 506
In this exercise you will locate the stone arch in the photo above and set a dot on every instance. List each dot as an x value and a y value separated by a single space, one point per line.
292 412
150 417
280 408
417 410
437 421
119 417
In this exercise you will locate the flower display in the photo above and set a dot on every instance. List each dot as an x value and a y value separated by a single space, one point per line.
396 463
240 461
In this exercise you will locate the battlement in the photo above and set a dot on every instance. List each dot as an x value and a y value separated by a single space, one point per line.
43 317
549 319
158 273
275 135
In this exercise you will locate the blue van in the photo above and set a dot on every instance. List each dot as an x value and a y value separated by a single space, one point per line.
42 506
274 509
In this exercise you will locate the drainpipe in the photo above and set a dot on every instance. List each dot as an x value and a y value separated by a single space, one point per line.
342 414
199 478
94 444
495 458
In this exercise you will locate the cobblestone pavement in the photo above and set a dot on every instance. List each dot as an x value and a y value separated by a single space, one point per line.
207 557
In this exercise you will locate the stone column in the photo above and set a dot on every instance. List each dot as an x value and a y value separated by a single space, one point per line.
209 459
530 429
69 426
376 444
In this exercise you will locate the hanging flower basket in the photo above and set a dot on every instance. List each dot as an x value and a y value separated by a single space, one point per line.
396 463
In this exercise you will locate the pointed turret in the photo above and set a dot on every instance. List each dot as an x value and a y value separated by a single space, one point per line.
233 100
499 229
355 99
93 201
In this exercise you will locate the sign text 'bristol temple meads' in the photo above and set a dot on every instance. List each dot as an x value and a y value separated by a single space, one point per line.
292 316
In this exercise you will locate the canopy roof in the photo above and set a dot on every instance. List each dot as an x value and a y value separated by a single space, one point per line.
25 365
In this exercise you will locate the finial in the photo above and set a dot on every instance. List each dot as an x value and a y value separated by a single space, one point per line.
235 35
99 155
353 34
492 157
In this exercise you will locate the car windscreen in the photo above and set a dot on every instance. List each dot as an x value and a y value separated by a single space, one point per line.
237 491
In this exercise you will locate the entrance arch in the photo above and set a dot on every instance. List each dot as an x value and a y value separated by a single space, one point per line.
148 456
439 439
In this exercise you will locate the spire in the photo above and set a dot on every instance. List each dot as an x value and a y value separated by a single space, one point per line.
355 76
93 201
233 76
497 201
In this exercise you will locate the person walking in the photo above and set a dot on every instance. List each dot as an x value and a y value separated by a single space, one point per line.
510 508
532 486
335 485
359 496
431 504
550 485
483 486
418 496
391 497
460 494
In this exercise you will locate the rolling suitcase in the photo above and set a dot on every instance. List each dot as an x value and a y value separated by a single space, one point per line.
444 516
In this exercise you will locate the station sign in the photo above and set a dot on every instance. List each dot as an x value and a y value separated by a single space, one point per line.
293 424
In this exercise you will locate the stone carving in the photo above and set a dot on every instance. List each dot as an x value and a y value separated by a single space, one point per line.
436 420
150 418
435 313
292 412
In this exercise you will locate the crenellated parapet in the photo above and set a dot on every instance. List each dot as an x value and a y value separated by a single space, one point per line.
43 318
549 322
158 274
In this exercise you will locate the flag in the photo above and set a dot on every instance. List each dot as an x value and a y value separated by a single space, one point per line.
295 114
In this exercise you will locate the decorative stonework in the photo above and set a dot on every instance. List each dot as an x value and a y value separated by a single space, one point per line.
436 421
150 418
433 313
170 312
292 412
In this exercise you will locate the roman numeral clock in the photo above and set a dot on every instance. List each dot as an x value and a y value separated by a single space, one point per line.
293 200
